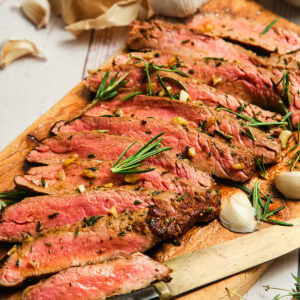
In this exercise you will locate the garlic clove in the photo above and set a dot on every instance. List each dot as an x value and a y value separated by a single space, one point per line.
14 48
284 138
176 8
288 183
237 213
38 11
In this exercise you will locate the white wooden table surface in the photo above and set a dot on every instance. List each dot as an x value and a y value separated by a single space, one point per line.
29 87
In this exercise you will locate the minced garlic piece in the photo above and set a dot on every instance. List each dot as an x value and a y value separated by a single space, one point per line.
180 121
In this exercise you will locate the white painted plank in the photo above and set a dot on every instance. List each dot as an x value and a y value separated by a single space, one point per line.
103 44
29 87
279 276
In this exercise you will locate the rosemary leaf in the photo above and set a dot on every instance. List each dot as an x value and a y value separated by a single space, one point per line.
130 164
269 27
148 78
178 82
261 166
131 95
163 85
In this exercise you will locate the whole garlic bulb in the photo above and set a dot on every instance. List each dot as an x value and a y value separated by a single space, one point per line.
237 213
176 8
38 11
288 183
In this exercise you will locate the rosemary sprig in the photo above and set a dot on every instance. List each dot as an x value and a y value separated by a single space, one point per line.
130 165
11 198
13 195
262 209
253 122
261 166
269 27
293 51
214 58
146 69
178 82
285 79
294 160
298 139
105 91
131 95
173 69
295 293
163 85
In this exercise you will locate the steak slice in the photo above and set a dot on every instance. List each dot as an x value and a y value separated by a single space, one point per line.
185 41
247 32
253 85
100 281
104 147
81 244
207 119
60 179
42 213
212 155
212 96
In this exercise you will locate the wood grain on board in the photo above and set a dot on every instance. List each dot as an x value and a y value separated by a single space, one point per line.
12 163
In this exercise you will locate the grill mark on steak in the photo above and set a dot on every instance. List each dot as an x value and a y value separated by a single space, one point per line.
79 244
142 106
212 155
246 31
188 42
100 281
182 178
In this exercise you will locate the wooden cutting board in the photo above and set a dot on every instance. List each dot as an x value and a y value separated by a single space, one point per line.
12 163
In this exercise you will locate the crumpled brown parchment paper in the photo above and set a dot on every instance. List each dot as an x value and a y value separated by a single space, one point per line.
83 15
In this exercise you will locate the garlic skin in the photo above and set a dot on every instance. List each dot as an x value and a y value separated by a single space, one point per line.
14 48
237 213
288 183
176 8
38 11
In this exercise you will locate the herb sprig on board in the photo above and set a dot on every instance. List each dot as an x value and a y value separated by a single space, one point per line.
261 165
261 203
131 164
106 90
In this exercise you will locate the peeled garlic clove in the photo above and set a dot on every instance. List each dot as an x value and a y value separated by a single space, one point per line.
237 213
288 183
284 138
38 11
176 8
15 48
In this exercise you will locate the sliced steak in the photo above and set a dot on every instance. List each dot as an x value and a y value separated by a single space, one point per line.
252 84
100 281
202 117
38 214
247 32
104 147
80 244
59 179
212 155
212 96
185 41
